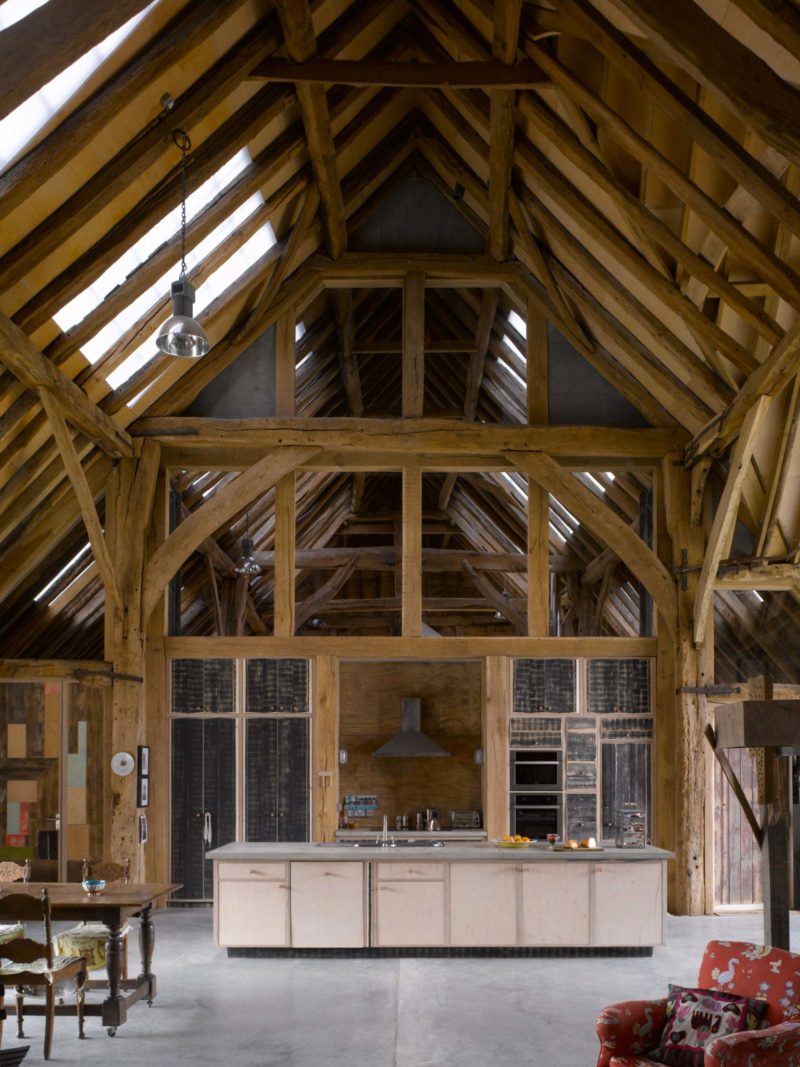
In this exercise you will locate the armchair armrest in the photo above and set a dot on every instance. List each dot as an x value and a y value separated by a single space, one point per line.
768 1048
629 1028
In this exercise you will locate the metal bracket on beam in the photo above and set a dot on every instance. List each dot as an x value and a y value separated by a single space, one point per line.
710 690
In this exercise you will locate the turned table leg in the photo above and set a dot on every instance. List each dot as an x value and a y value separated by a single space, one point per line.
114 1008
147 940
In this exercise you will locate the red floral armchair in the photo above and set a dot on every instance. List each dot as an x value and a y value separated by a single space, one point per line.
629 1031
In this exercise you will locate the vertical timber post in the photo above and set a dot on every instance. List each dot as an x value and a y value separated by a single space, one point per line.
691 710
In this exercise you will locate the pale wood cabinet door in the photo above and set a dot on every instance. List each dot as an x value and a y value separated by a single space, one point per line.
328 905
555 903
628 904
253 914
409 913
483 904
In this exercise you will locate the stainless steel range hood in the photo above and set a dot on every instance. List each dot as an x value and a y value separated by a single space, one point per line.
410 741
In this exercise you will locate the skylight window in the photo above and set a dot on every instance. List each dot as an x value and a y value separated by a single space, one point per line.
20 126
299 334
14 10
166 228
64 570
516 487
518 323
112 331
510 344
509 368
258 245
557 532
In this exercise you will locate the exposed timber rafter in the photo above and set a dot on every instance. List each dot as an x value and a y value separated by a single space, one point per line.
35 371
219 509
85 497
301 42
767 380
697 43
470 75
640 560
721 536
501 128
322 596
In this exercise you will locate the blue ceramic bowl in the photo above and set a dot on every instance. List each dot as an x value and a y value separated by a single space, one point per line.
93 885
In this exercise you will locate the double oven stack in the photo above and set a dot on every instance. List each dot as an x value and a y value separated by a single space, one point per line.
537 792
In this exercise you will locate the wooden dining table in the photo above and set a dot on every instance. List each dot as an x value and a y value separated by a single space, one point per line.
117 903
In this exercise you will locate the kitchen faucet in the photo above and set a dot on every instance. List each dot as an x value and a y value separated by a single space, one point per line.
384 838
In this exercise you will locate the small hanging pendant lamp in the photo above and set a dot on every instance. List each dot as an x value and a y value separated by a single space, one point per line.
182 335
248 565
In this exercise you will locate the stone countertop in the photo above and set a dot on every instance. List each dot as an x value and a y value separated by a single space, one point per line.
253 851
414 835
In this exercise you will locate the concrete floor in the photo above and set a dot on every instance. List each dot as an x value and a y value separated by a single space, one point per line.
375 1013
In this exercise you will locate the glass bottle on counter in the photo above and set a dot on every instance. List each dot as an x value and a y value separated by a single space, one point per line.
631 827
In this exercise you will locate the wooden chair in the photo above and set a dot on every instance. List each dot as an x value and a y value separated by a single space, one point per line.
30 964
13 872
88 939
9 1057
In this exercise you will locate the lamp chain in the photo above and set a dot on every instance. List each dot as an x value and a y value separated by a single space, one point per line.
182 140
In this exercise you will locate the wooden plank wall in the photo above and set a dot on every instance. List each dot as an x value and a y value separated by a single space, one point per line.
737 860
370 695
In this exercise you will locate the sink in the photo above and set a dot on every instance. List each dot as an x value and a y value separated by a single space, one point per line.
370 842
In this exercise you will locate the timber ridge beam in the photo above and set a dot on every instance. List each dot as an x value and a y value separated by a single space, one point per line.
201 441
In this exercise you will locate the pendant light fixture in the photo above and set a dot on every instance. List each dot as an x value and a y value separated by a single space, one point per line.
182 335
248 566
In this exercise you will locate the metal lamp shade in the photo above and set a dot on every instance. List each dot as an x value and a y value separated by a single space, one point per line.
181 335
247 565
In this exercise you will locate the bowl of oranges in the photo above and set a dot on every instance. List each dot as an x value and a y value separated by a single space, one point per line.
511 841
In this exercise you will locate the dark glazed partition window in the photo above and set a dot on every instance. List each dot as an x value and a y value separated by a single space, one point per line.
277 787
544 685
276 685
202 685
619 685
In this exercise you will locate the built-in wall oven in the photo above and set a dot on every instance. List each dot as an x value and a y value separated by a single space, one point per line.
536 815
535 769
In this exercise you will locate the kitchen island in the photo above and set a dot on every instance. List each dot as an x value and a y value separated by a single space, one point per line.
455 897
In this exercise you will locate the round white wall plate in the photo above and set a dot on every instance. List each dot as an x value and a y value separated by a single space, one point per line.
122 763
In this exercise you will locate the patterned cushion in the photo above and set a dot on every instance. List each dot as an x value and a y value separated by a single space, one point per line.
9 969
11 932
87 940
695 1017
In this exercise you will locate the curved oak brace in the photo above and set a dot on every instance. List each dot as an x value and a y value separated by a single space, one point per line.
218 510
605 525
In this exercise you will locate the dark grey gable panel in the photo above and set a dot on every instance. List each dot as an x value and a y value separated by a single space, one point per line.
415 217
579 396
245 389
